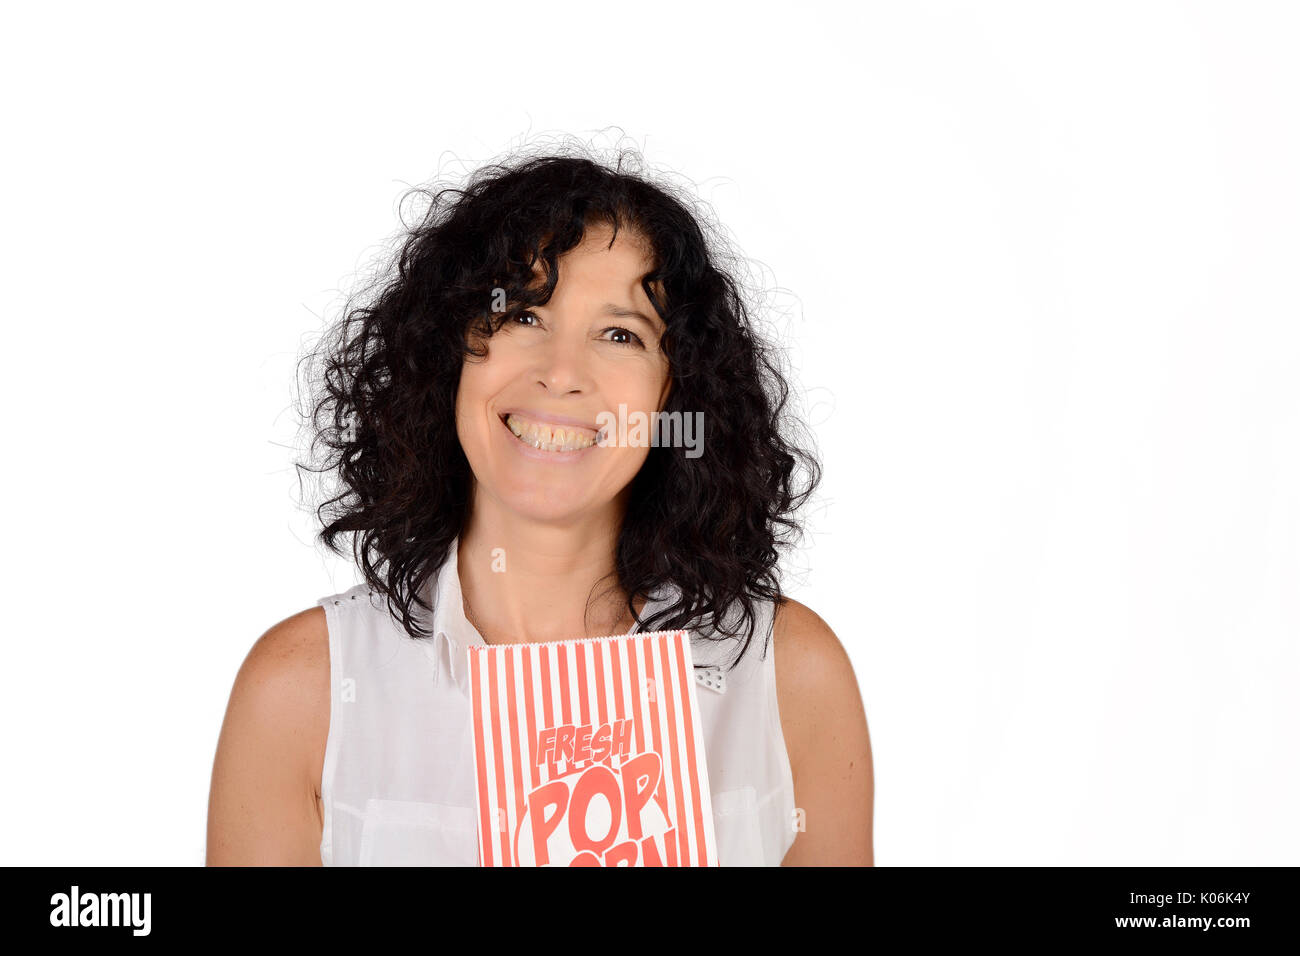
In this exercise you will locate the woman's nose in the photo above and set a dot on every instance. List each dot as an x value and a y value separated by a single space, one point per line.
562 366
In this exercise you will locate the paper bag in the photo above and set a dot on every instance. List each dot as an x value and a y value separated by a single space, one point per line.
590 753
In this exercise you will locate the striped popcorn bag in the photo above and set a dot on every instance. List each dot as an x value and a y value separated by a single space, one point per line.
589 753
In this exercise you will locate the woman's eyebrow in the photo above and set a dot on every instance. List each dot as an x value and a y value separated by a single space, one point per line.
621 312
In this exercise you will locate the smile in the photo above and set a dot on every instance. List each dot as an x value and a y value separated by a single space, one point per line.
548 437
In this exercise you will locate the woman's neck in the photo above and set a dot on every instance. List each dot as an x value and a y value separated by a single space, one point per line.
526 582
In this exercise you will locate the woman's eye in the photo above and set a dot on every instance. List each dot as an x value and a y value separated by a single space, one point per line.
623 337
523 317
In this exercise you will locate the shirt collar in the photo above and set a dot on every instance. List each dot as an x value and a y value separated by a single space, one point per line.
452 631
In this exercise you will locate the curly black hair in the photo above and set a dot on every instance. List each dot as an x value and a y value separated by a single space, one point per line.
704 531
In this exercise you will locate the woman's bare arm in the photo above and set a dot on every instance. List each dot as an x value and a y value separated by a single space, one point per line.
825 728
263 807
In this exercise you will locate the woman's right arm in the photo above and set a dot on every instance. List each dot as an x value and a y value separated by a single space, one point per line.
263 808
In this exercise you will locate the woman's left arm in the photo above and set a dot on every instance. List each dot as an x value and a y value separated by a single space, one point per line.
825 728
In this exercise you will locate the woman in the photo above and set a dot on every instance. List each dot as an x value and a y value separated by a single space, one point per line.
466 416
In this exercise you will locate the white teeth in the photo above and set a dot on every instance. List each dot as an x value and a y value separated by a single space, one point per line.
549 438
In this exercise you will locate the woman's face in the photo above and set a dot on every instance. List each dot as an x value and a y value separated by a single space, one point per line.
550 374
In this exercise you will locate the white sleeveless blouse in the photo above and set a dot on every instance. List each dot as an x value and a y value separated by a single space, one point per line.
398 778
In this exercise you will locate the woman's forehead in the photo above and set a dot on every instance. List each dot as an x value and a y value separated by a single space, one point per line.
602 257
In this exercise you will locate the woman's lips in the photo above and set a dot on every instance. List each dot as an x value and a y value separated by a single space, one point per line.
550 435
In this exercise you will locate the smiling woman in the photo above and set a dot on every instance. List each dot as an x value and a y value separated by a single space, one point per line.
462 415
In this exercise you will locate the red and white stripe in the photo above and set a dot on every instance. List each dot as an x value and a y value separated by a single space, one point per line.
518 689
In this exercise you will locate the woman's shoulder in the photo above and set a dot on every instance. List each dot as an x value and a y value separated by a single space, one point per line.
829 745
287 649
815 681
282 690
809 644
264 804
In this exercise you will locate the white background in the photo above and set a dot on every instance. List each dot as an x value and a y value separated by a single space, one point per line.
1035 266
